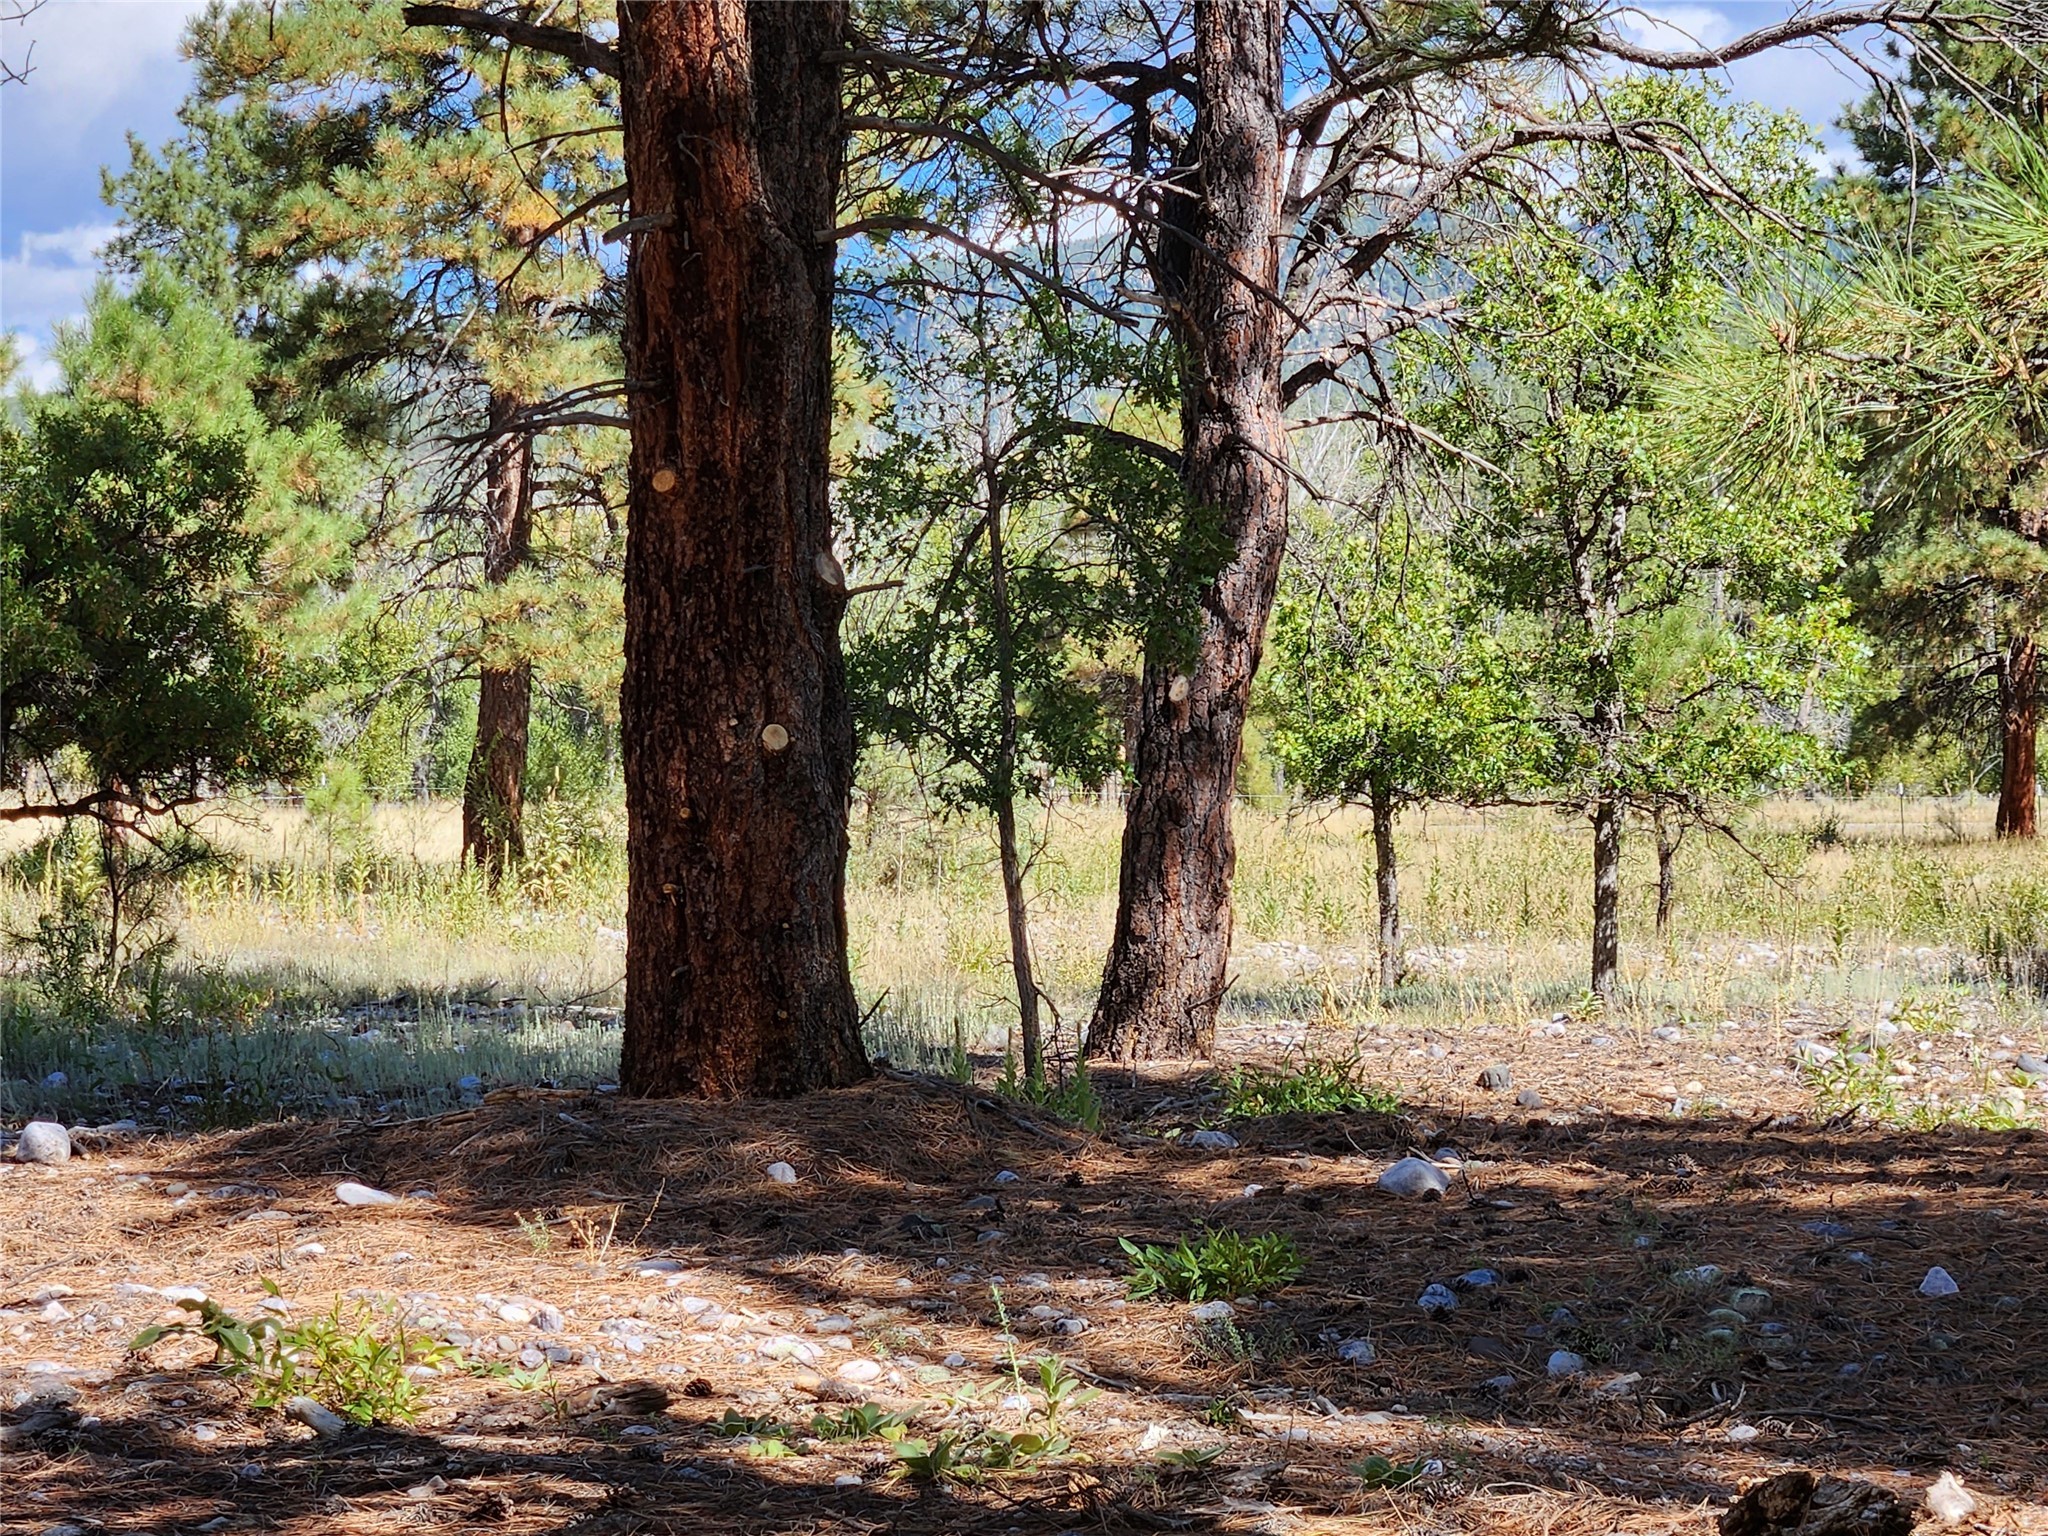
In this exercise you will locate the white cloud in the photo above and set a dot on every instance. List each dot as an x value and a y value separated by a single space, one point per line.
91 55
45 281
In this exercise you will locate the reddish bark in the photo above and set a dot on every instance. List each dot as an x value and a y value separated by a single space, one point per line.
738 740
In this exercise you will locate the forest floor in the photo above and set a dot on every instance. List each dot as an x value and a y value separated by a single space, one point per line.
1741 1281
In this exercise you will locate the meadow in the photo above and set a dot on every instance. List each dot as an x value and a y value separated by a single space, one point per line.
323 967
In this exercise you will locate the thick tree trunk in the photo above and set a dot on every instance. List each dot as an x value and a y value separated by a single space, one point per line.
1006 788
2019 698
1387 885
493 793
1165 975
738 741
1668 839
1607 897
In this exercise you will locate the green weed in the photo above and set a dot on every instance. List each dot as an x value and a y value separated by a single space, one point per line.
1220 1265
1315 1088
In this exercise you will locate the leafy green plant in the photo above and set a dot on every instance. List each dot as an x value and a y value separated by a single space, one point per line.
940 1460
970 1458
1221 1341
863 1421
539 1236
1059 1389
734 1425
1221 1265
344 1359
1191 1458
1316 1088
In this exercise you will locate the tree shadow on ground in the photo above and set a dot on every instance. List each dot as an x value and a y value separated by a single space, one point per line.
927 1202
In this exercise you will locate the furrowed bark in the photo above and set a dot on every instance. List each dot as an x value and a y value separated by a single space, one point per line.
493 792
1668 839
1387 886
738 739
1165 976
2019 701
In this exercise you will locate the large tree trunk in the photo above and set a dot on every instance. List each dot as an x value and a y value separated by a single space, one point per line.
738 741
1165 974
493 793
1607 896
2019 698
1387 885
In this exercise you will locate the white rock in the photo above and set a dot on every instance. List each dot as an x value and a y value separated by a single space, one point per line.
513 1313
309 1250
1007 1176
833 1324
1939 1282
1698 1275
1437 1298
1211 1312
1948 1500
1415 1178
1212 1141
1563 1362
316 1417
43 1141
781 1173
860 1372
1812 1053
55 1312
648 1267
1742 1434
846 1480
352 1193
1153 1438
1071 1326
785 1347
1357 1352
178 1293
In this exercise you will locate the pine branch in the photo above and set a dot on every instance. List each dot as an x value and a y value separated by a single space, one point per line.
564 42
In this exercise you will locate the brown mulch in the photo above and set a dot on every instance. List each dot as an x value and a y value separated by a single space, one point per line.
1842 1367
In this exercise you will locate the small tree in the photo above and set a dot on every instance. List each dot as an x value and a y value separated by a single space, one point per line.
967 493
134 681
1590 523
1388 688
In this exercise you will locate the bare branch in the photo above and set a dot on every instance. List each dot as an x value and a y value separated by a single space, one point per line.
564 42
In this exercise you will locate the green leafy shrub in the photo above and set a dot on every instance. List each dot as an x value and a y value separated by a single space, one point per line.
1318 1088
1222 1265
354 1361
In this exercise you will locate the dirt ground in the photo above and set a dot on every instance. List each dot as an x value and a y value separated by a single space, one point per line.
655 1247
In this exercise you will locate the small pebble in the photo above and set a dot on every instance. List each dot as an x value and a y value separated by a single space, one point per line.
320 1419
1563 1362
781 1173
1007 1176
1498 1078
1701 1274
1212 1141
1741 1434
1939 1282
1529 1098
1357 1352
351 1193
1948 1500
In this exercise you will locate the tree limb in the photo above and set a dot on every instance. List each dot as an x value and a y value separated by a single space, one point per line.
564 42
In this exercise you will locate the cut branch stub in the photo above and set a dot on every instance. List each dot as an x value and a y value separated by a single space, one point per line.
774 737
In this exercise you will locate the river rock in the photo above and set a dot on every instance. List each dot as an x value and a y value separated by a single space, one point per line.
1948 1500
351 1193
43 1141
1212 1141
1565 1362
1939 1282
1498 1078
781 1173
1357 1352
1437 1299
1415 1178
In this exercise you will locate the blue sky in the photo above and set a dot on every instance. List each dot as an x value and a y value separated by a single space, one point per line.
106 68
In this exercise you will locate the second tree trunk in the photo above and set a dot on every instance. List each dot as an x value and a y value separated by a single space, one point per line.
1166 971
2018 725
494 792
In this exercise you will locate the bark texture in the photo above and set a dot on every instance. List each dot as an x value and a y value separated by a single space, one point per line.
1006 793
2019 704
1669 836
738 740
1387 886
1165 975
494 790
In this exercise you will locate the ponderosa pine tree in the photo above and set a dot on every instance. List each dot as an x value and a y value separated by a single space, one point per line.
326 135
738 739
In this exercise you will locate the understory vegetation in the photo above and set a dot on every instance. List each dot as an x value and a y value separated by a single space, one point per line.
379 976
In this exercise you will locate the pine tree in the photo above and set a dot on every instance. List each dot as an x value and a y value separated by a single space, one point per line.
451 195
